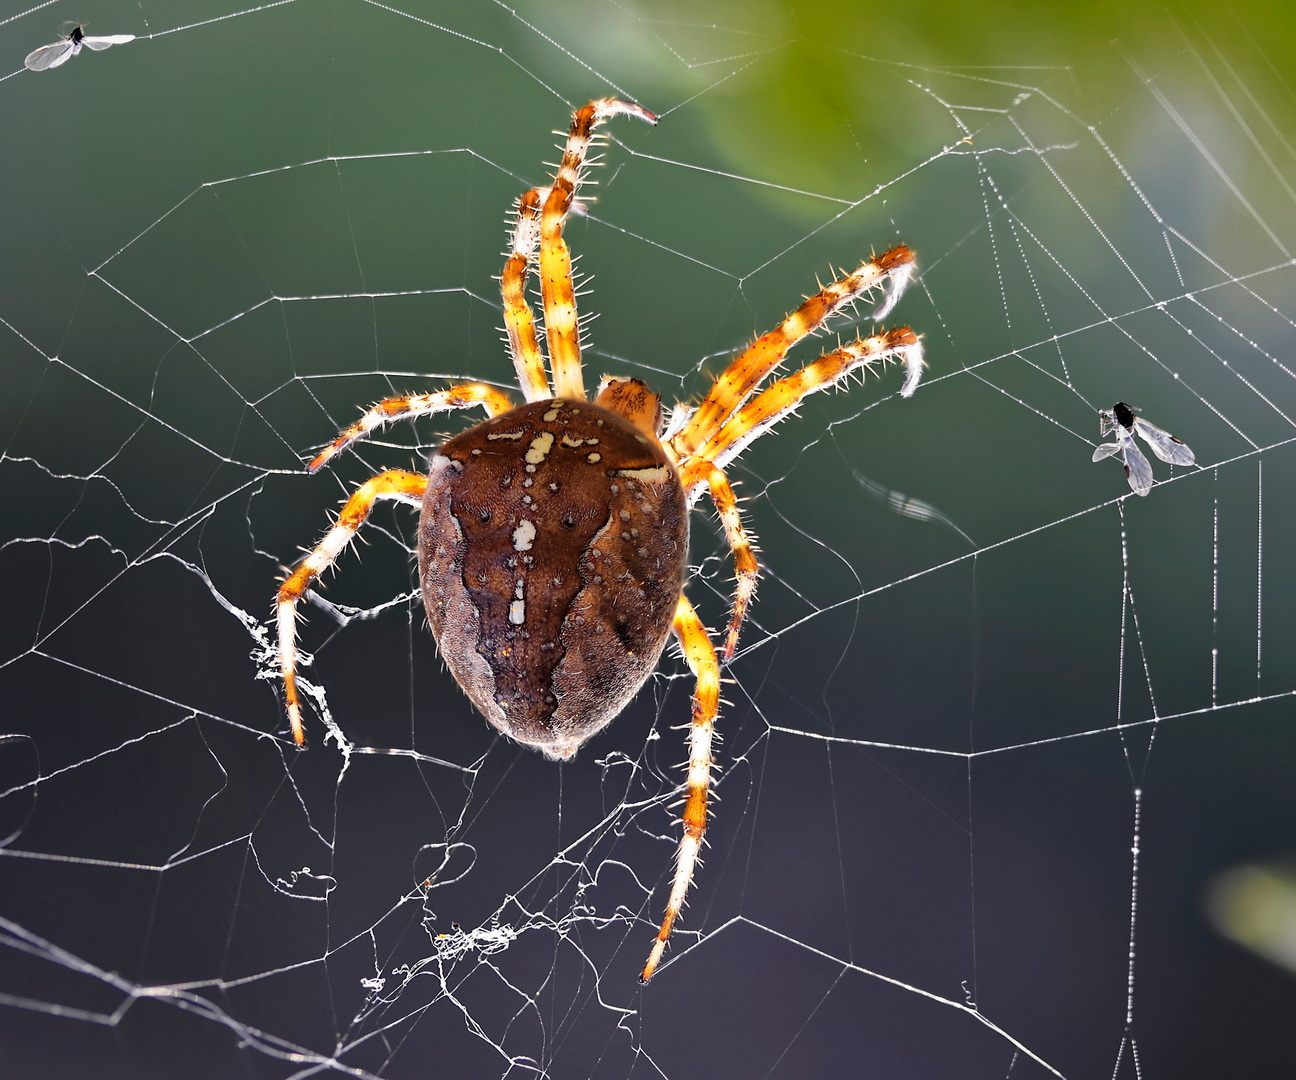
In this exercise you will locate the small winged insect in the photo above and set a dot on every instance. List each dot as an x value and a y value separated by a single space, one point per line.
51 56
1121 420
906 505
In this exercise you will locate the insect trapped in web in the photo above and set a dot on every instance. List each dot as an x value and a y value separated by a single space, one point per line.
553 536
1124 423
48 57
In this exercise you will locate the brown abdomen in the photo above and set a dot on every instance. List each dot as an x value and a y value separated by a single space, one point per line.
552 549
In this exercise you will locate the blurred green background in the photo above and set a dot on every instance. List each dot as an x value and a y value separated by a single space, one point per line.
941 743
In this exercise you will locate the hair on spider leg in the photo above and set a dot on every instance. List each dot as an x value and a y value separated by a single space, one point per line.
893 287
540 193
680 790
675 420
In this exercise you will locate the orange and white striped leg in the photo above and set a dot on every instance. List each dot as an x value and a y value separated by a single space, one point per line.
556 289
701 658
780 398
732 387
519 320
404 408
405 486
694 473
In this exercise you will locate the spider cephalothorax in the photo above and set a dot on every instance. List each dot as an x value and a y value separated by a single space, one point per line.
553 536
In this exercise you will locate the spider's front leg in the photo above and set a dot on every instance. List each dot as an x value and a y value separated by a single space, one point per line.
701 658
704 470
889 271
404 486
781 398
519 319
557 292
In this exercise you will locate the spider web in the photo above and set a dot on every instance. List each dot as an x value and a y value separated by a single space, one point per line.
1001 737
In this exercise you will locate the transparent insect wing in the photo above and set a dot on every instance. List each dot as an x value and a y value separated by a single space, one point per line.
1164 445
48 57
101 43
1138 470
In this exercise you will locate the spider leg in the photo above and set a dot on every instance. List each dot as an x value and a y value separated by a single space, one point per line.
744 374
556 289
519 320
701 658
405 486
698 471
403 408
782 397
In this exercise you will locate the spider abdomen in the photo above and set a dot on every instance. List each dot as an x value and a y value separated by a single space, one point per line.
552 549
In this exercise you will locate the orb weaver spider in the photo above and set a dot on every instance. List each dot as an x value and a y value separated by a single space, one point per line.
553 536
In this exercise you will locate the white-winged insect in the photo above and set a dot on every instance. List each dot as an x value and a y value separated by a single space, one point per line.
51 56
1121 420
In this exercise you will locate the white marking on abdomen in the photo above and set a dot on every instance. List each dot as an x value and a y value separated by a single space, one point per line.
517 609
657 474
539 448
524 535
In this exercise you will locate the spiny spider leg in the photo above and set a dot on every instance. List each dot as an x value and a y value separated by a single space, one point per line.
590 546
780 398
464 396
556 289
519 320
404 486
698 473
744 374
695 473
701 658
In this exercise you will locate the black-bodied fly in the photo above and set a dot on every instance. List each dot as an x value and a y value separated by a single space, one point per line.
51 56
1121 420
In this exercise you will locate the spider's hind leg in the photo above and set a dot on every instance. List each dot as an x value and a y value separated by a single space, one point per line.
404 486
701 658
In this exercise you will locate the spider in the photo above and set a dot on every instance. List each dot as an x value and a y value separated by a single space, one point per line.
553 536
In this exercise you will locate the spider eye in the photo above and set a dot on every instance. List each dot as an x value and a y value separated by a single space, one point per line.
569 521
485 517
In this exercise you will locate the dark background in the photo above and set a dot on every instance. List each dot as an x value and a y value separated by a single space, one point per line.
975 795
